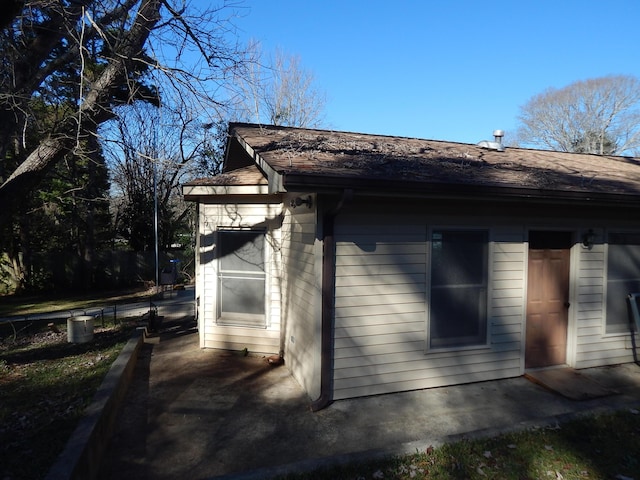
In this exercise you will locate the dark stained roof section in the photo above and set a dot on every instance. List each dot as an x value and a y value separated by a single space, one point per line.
341 158
250 175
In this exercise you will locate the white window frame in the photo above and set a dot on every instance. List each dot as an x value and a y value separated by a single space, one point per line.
241 319
486 285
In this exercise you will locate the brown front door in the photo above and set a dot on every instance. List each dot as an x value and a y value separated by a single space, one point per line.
547 299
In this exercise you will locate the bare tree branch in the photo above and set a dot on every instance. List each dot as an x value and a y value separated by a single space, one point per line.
600 115
283 93
93 106
134 49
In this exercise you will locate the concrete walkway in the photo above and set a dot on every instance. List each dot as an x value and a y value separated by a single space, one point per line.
201 414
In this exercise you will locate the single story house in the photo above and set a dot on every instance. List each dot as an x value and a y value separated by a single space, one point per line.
379 264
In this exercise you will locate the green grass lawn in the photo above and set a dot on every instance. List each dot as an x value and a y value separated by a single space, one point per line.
603 447
34 304
45 385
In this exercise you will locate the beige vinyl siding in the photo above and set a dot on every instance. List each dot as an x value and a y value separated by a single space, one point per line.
237 338
593 346
256 340
301 256
507 292
381 311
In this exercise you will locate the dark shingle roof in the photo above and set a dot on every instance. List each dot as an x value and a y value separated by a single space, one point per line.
250 175
341 157
291 150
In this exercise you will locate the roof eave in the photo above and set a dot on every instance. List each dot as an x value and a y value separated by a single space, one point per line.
273 176
378 187
196 192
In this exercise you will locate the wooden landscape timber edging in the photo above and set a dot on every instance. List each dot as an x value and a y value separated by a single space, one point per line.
84 450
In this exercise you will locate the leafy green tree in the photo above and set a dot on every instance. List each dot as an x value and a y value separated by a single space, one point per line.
109 37
69 68
68 214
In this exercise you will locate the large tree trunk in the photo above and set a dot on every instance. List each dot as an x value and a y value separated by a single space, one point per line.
30 170
95 108
29 64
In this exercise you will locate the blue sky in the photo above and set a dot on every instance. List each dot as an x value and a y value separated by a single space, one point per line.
444 70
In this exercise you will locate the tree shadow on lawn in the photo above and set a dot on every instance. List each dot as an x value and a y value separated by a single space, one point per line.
45 385
610 443
53 346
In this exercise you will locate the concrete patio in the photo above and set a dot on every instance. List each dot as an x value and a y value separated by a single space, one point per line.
193 413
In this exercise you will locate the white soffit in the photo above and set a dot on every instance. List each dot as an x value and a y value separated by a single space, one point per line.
207 190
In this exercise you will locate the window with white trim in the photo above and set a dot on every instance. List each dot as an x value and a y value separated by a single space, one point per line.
623 278
458 299
241 277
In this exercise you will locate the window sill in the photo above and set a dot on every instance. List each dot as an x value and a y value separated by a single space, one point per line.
243 321
467 348
617 334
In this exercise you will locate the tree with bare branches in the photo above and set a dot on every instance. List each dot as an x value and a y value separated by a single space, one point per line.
124 48
71 68
152 153
281 92
600 115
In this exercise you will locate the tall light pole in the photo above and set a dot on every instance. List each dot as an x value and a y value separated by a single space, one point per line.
155 220
155 189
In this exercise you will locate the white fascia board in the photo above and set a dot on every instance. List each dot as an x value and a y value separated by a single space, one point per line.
274 178
194 191
275 183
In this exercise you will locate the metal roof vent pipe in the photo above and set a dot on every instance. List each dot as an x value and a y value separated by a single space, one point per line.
498 135
496 144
